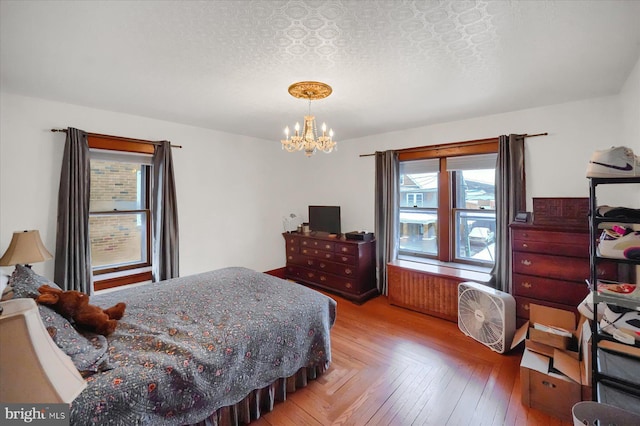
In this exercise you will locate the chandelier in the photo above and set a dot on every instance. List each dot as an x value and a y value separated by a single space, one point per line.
308 140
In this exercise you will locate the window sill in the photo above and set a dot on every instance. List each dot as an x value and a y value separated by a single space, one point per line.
121 278
456 270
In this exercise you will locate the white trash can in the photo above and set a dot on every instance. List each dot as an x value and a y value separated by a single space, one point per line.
596 413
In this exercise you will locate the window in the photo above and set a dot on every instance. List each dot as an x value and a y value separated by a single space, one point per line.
447 202
419 207
119 216
414 199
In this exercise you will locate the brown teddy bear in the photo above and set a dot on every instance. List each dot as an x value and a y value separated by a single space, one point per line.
75 306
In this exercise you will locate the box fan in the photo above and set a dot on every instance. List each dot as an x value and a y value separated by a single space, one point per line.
487 315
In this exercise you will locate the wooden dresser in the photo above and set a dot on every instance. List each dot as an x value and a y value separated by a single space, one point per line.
550 266
335 264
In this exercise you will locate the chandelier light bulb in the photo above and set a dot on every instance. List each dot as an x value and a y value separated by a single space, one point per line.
286 131
324 128
331 133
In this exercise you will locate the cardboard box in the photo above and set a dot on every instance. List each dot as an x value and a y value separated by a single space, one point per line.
546 389
546 338
555 383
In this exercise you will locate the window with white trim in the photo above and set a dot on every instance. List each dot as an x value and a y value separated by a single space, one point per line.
119 215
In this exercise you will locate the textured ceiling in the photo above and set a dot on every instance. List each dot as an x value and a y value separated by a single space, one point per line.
226 65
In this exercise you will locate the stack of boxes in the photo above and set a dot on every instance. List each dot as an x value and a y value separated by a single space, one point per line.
555 371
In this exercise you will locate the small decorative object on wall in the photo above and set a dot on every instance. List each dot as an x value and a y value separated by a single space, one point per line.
307 140
291 222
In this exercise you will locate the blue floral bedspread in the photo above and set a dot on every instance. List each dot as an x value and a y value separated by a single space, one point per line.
188 346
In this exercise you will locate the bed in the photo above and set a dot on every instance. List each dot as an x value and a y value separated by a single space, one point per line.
215 348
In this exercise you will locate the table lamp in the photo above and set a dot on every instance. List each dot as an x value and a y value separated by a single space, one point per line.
25 248
33 369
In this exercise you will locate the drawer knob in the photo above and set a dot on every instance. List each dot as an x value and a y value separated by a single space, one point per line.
328 255
310 274
525 306
524 234
525 245
290 257
344 259
328 246
323 265
526 262
348 285
526 284
323 278
548 384
348 271
344 249
304 243
309 262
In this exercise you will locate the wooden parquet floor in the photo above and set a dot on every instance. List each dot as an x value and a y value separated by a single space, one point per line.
392 366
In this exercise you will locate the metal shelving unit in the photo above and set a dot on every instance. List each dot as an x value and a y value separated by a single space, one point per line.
613 373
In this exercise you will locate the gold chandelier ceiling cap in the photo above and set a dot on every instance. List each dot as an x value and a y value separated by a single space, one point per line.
311 90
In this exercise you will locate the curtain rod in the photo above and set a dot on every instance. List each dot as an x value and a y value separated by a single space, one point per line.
462 143
119 137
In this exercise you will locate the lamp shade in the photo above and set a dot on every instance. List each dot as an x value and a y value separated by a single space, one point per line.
32 367
25 247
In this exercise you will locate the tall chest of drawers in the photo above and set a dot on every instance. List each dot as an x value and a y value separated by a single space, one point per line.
335 264
550 266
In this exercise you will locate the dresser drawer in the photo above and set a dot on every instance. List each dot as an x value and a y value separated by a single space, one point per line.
347 285
317 244
564 292
327 267
302 260
322 265
351 249
566 268
550 242
308 274
327 255
348 271
292 240
345 258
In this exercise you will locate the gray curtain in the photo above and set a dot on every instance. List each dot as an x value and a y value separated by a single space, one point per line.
164 213
510 199
73 245
387 191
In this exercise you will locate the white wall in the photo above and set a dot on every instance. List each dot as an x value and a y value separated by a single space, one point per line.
231 189
630 100
555 164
